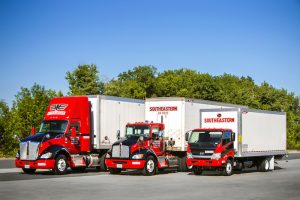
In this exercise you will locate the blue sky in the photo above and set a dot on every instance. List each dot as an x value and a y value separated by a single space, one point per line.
41 40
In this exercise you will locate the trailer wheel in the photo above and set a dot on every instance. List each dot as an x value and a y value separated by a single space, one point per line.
150 166
182 164
102 163
61 165
28 171
228 169
197 170
264 165
114 171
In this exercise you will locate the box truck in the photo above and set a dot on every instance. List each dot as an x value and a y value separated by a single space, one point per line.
159 143
236 138
76 132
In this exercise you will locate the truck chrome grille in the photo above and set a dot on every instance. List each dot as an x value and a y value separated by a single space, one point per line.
29 150
120 151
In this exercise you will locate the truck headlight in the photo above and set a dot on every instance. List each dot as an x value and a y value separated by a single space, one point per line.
17 155
46 155
216 156
107 155
138 156
189 155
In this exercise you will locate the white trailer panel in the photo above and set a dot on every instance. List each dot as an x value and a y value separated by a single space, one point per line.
263 132
110 115
258 132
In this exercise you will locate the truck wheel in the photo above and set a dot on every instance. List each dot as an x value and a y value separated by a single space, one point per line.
150 166
102 163
114 171
197 170
28 171
182 164
228 169
239 166
61 165
263 166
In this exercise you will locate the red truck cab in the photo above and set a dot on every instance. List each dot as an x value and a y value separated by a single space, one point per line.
211 149
64 134
142 148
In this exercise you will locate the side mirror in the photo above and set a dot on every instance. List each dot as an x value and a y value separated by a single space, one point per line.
16 137
233 136
32 131
118 134
187 134
73 132
160 133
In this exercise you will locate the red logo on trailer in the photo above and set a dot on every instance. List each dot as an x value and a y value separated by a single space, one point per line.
219 119
163 108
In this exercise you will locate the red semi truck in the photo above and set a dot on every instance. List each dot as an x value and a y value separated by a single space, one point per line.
142 148
77 132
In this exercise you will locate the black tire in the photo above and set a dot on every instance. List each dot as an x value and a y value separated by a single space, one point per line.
228 168
150 167
182 167
61 165
263 166
114 171
28 171
79 169
102 163
197 170
239 166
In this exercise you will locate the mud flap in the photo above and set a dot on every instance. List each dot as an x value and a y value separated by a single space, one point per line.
272 163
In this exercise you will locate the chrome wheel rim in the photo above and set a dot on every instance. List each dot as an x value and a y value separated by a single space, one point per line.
150 166
228 168
61 165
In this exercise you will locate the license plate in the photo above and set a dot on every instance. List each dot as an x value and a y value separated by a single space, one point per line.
119 165
27 166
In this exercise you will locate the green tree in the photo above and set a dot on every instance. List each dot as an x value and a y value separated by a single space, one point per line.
84 80
4 119
136 83
27 111
186 83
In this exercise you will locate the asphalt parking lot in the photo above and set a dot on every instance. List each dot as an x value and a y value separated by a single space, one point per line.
282 183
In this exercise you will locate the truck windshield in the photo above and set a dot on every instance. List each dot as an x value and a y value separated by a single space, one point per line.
137 131
54 126
206 137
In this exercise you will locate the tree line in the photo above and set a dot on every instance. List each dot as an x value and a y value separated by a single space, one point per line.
142 82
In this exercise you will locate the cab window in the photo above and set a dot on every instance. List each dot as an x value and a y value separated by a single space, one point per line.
76 125
226 138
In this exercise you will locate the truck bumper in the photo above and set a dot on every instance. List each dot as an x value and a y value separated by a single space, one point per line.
124 164
205 163
35 164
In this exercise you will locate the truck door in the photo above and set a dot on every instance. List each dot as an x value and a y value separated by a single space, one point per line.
74 142
227 142
156 142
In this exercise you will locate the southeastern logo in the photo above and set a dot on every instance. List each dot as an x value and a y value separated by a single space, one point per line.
219 119
57 109
163 108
